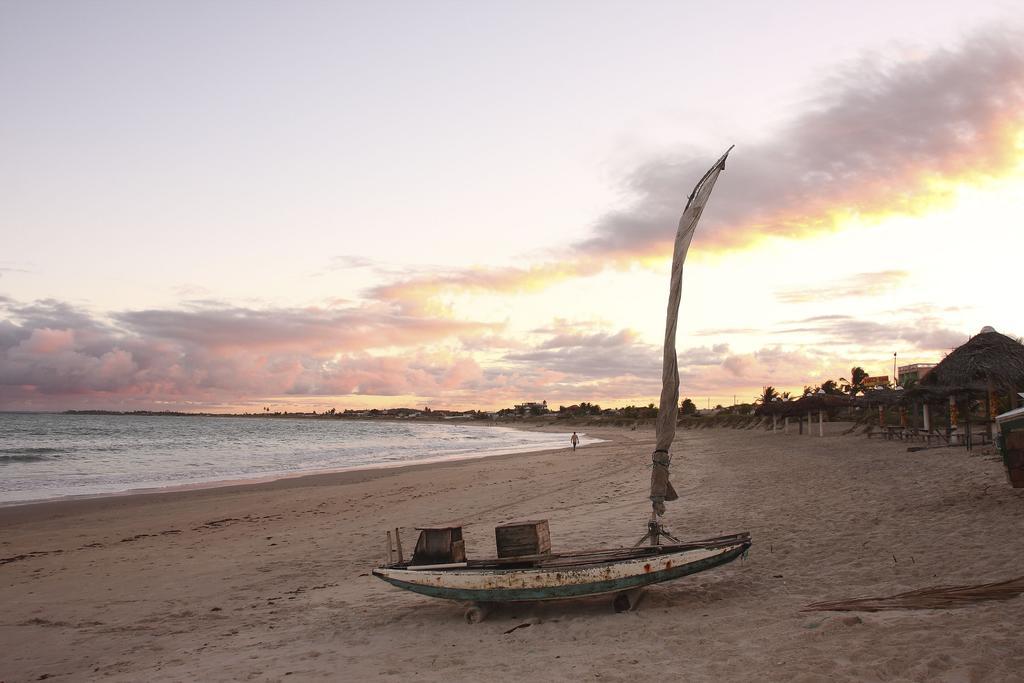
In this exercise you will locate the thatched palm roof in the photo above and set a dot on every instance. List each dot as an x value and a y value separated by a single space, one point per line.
986 359
774 407
928 393
822 401
802 405
881 396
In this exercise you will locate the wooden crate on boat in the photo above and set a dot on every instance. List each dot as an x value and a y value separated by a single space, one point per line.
523 538
439 545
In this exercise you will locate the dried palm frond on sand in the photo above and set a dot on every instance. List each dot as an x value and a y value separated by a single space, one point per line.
935 597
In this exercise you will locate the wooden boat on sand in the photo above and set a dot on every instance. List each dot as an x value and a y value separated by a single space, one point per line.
559 576
525 568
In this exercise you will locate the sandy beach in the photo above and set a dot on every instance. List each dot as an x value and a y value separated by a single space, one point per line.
271 581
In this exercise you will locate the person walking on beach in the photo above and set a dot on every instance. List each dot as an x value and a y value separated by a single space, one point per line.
574 441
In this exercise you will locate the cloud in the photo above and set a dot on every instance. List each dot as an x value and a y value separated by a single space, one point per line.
829 345
191 292
313 330
52 350
352 262
421 293
875 142
702 355
775 365
859 285
609 356
599 340
56 355
879 137
925 333
725 331
592 357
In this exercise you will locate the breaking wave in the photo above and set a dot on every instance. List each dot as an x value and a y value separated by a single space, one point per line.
13 455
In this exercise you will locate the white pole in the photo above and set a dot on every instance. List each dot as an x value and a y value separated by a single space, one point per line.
785 425
808 423
927 418
821 423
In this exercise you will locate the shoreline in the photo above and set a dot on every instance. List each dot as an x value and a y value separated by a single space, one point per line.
266 478
73 504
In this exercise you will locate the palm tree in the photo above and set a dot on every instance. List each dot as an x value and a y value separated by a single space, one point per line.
768 394
830 387
856 382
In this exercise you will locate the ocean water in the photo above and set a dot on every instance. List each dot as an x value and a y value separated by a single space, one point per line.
45 456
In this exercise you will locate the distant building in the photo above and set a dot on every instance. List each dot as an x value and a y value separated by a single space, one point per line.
402 412
915 372
879 381
531 408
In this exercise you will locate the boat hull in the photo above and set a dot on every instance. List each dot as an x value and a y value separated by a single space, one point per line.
559 582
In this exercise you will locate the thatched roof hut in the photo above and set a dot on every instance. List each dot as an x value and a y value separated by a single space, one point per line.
987 361
804 404
776 406
883 396
821 401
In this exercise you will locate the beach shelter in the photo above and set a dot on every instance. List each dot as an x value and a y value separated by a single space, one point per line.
819 402
803 407
777 408
988 367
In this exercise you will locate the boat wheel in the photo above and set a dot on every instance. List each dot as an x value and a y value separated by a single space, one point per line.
627 600
477 612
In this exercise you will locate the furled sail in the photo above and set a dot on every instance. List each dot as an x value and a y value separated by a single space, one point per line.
668 410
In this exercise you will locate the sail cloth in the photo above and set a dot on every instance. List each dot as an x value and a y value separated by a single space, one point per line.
668 410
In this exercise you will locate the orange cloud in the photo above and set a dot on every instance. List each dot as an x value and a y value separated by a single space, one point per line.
423 294
885 138
861 284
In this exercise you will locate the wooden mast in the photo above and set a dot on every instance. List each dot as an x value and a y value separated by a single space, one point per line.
668 410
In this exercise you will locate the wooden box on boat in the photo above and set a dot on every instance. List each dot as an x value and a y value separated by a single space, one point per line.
439 545
516 539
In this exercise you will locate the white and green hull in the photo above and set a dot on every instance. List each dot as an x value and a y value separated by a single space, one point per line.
566 576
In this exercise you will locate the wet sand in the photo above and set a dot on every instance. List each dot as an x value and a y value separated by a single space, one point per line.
271 581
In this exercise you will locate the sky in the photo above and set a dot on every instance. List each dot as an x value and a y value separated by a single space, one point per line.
309 205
